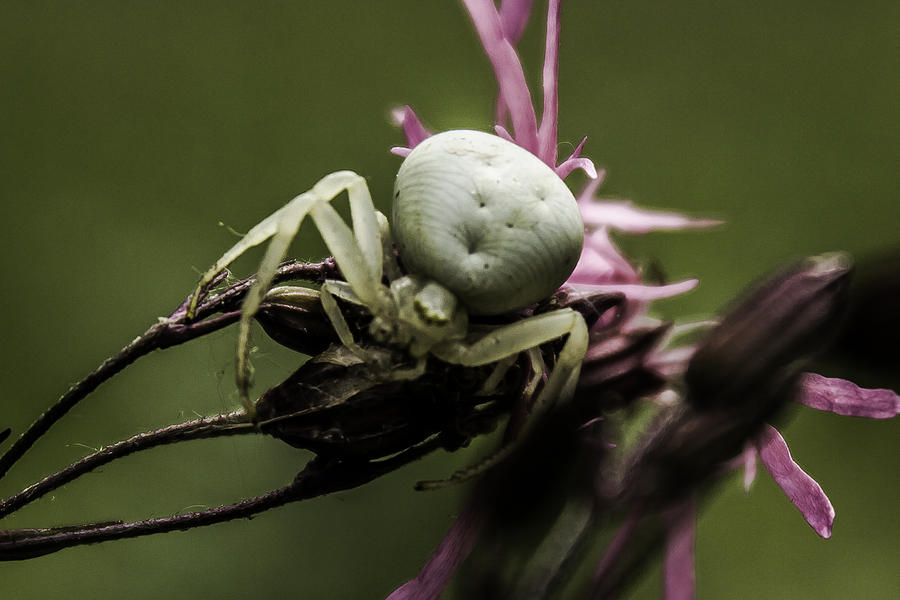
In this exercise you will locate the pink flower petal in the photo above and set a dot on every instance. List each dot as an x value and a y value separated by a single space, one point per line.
412 127
616 547
846 398
456 546
513 18
570 164
641 293
601 262
801 489
595 267
579 148
400 151
678 565
626 217
749 458
501 115
593 421
671 362
508 70
501 131
587 194
576 161
547 134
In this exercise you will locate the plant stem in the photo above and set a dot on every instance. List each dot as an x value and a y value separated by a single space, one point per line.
221 425
174 330
318 478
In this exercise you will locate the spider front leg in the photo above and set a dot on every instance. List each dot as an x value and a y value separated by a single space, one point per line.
359 254
522 336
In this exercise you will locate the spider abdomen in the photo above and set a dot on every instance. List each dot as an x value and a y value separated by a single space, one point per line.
486 219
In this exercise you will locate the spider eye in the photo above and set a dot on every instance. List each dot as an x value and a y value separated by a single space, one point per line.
486 219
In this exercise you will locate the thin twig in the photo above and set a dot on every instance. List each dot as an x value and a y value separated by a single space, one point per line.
317 479
221 425
174 330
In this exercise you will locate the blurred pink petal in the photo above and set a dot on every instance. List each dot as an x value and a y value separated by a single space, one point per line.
642 293
508 70
412 127
513 18
595 267
749 459
605 348
547 133
671 362
400 151
746 460
617 546
624 216
601 262
434 577
587 194
846 398
801 489
593 421
678 565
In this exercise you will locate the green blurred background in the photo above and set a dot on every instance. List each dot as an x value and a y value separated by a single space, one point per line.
128 131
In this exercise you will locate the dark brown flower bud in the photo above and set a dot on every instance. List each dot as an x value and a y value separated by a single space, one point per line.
336 406
781 321
293 317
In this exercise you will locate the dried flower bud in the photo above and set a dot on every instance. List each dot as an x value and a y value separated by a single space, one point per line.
336 406
743 372
599 309
293 317
781 321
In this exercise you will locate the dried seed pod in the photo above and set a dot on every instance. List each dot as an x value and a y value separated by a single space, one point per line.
338 408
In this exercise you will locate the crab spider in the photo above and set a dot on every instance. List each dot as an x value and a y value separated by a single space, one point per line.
482 226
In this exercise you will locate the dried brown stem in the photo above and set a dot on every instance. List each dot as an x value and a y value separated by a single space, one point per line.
174 330
221 425
317 478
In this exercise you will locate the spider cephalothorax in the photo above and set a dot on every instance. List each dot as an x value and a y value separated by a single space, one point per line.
482 226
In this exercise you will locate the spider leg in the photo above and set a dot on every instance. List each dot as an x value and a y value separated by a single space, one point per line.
391 268
496 376
522 336
538 369
338 322
358 252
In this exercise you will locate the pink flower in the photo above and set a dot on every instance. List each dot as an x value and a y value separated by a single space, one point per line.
499 32
841 397
603 268
830 394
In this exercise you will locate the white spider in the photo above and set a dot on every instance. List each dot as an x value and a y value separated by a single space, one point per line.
482 226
